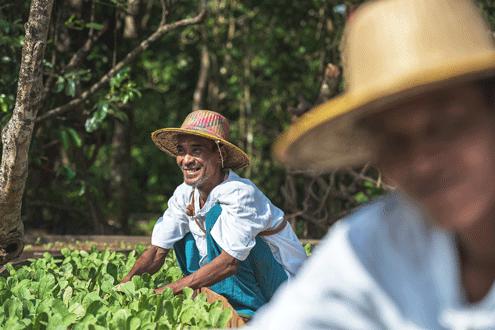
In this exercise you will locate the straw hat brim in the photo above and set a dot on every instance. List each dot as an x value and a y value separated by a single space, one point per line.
166 140
326 138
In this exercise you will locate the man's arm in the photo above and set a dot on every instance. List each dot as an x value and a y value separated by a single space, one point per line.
221 267
149 262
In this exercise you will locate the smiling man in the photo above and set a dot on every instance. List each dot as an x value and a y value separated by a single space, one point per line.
419 105
226 234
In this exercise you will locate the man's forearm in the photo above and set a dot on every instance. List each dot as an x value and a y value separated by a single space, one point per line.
149 262
220 268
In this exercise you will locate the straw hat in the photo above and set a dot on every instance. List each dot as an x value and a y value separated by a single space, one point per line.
393 50
207 124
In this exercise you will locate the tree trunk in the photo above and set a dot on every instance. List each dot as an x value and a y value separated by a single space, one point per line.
121 141
130 22
121 167
16 135
199 91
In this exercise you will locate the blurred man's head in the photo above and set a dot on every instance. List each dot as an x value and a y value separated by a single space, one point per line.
393 50
417 77
439 148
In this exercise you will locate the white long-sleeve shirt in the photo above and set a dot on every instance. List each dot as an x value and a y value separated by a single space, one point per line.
384 267
246 212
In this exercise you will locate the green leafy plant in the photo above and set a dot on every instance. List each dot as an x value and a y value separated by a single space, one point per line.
80 292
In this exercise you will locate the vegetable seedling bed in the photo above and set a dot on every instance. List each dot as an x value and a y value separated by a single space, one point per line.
77 290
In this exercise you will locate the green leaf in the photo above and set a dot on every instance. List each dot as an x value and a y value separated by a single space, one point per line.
95 121
214 315
113 271
128 288
60 84
133 323
119 318
107 283
120 115
64 138
360 197
90 298
188 293
70 88
67 295
96 307
94 26
224 319
78 310
76 139
59 308
68 172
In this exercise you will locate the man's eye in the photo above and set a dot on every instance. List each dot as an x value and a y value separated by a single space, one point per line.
180 151
196 151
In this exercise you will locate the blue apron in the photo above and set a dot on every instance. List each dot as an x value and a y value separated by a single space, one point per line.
256 279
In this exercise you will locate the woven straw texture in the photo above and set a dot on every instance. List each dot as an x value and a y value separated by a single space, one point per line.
207 124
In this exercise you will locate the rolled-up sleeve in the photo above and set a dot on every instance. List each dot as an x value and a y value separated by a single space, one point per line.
173 225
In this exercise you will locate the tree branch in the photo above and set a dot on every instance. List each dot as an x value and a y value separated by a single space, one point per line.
162 29
80 55
164 12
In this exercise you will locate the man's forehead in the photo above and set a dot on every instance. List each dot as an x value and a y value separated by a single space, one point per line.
437 106
187 139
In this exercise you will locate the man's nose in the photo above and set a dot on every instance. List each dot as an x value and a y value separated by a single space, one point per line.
188 158
423 157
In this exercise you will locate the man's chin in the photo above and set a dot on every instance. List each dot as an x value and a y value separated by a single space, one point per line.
193 182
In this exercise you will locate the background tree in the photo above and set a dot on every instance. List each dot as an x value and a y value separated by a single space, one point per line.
16 135
92 165
69 77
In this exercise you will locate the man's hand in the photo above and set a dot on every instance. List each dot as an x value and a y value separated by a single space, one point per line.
220 268
149 262
162 288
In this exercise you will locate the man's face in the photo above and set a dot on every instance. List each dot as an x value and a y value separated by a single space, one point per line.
199 160
440 150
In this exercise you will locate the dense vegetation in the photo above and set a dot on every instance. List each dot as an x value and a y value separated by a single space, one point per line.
93 168
79 292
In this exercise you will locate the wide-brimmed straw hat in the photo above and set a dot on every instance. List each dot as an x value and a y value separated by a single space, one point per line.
207 124
393 51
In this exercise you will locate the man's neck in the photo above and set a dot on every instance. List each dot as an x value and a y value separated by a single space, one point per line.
477 259
477 244
207 187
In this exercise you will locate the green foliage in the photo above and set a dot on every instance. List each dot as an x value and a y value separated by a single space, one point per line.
11 40
264 58
78 24
308 248
80 292
68 82
369 191
122 91
6 102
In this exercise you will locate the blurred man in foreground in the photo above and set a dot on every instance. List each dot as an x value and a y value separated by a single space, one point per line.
419 104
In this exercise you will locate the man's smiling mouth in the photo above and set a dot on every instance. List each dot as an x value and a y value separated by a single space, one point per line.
191 170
